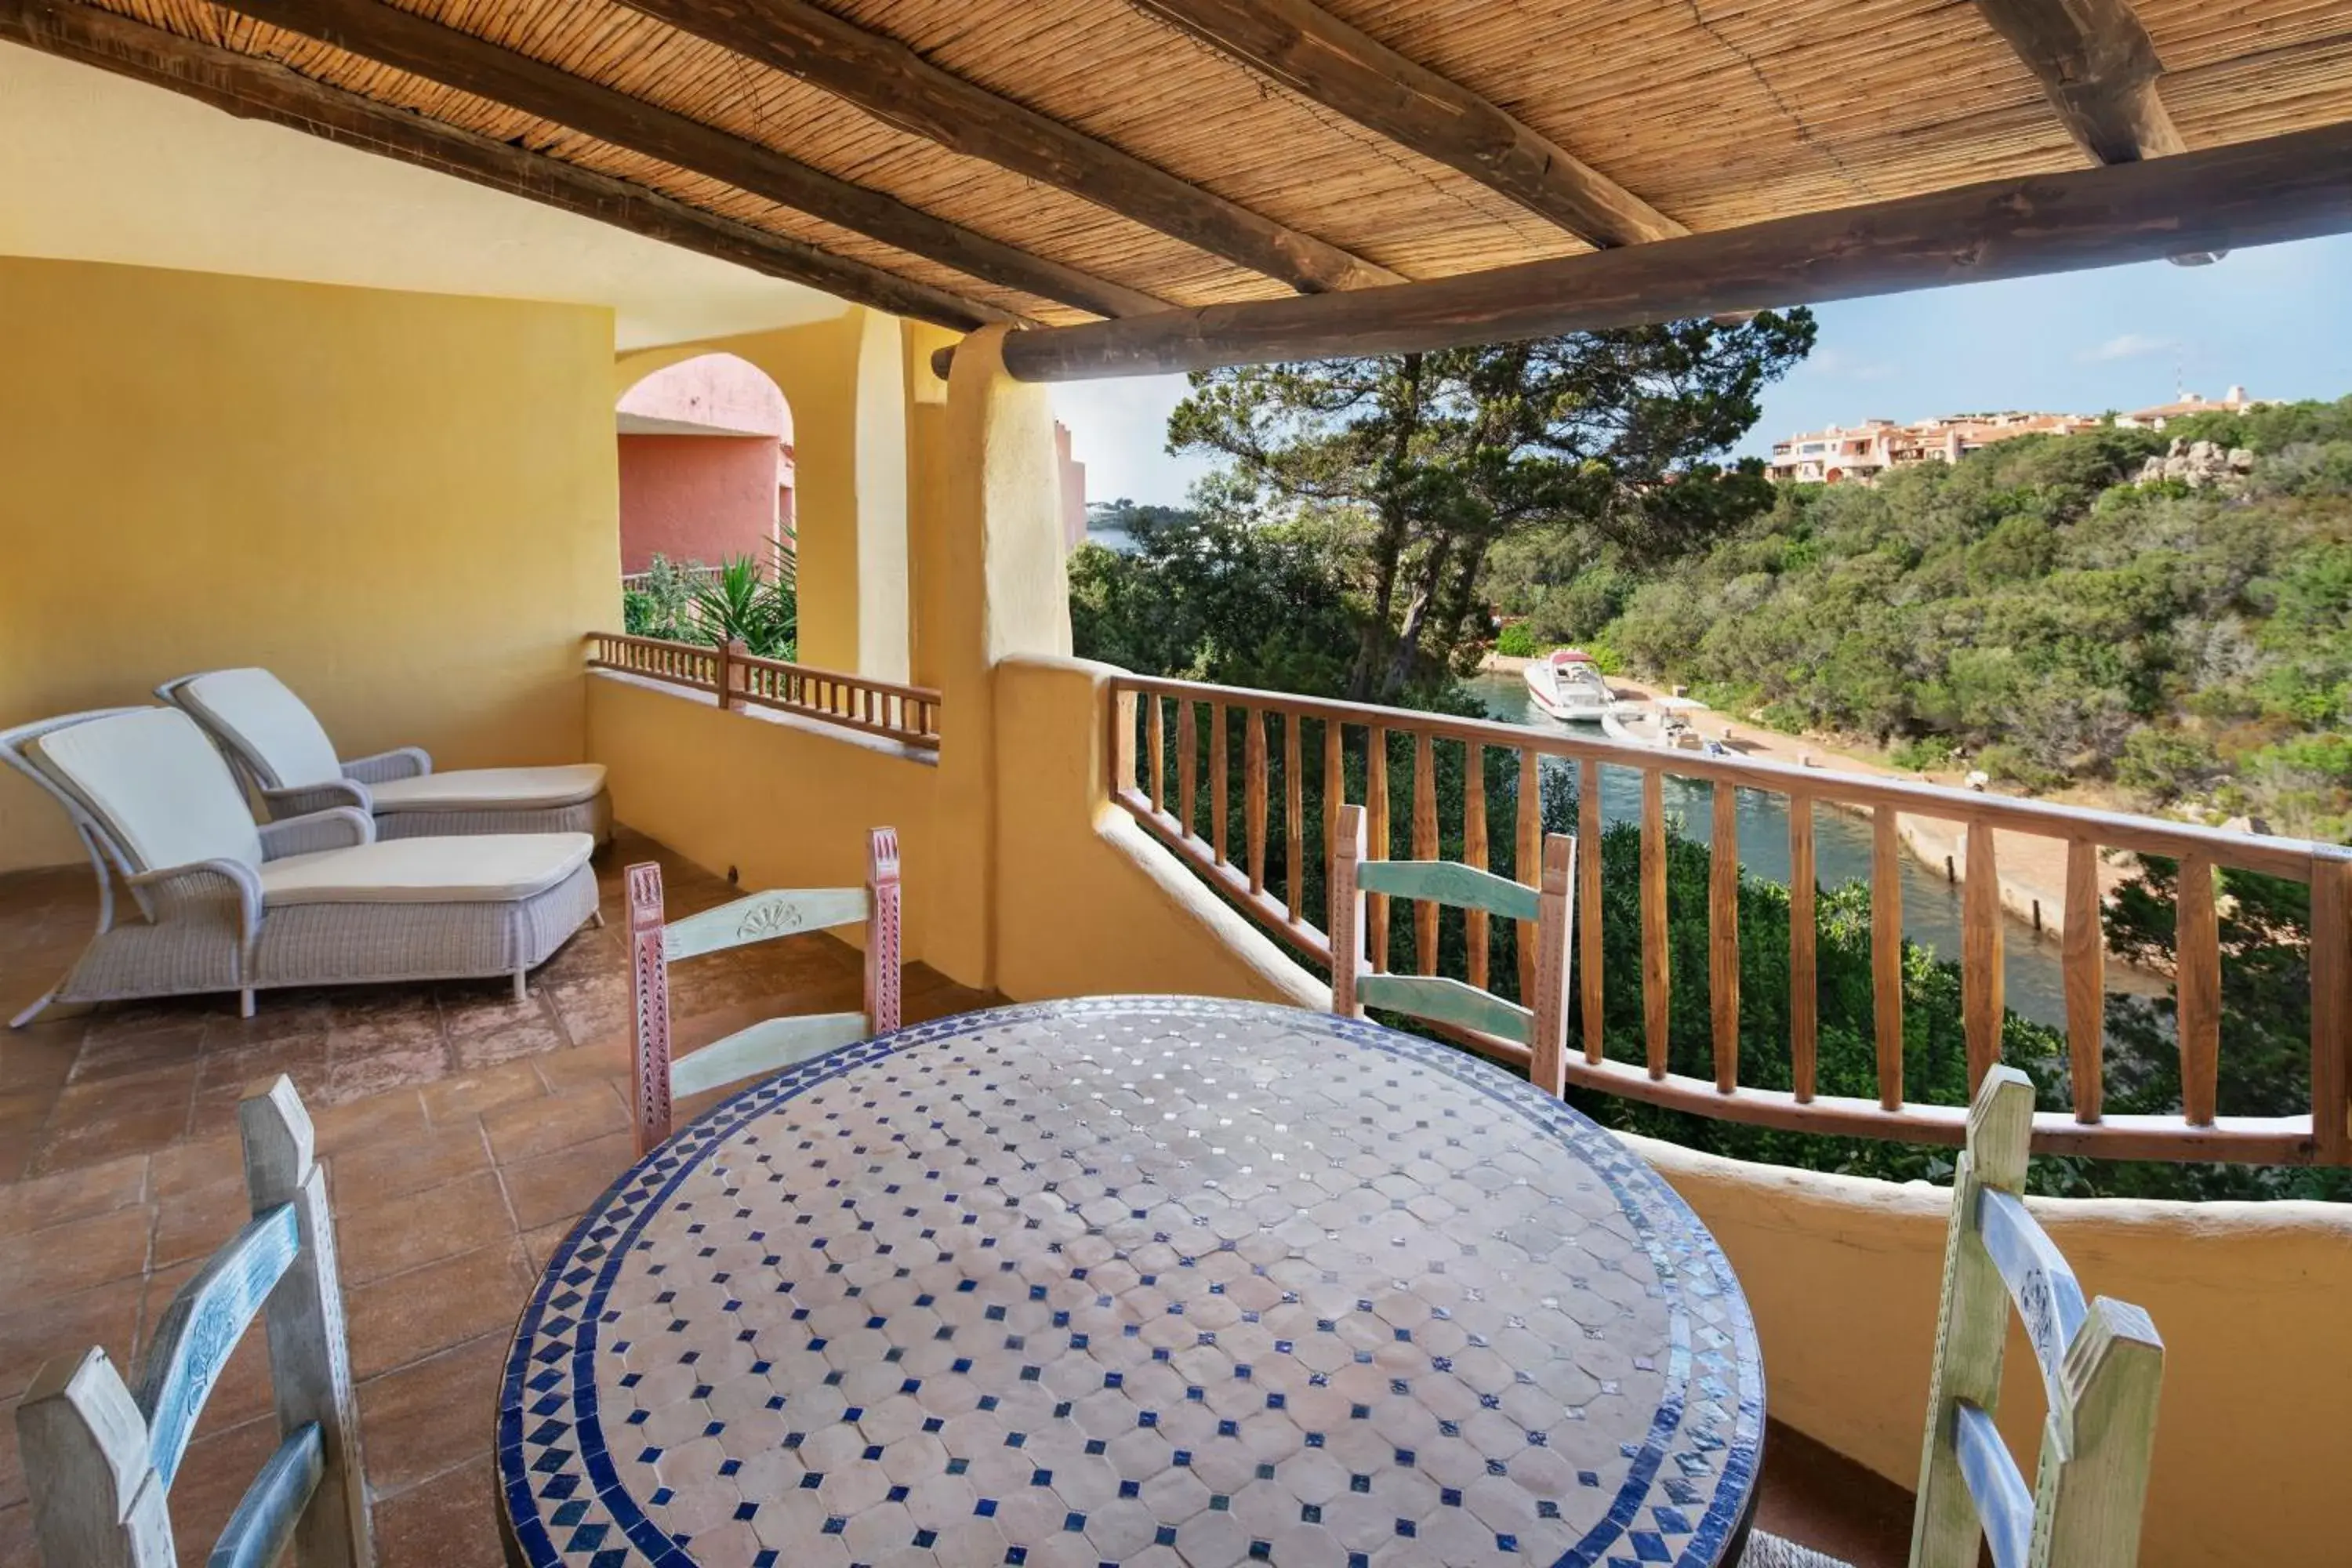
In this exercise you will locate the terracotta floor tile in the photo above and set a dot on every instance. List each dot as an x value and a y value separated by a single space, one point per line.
529 1038
560 1186
460 1100
541 1126
394 1168
71 1195
366 1077
448 1522
12 1468
195 1222
542 1242
236 1065
16 1534
198 1162
220 1464
405 1317
98 1121
431 1417
378 1118
277 1017
380 1237
594 1011
121 1020
106 1316
42 1264
1816 1497
581 1065
414 1028
119 1056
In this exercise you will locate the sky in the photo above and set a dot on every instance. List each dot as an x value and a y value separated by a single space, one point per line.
2276 320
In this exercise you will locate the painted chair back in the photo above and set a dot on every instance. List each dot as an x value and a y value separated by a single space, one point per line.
100 1456
2102 1366
771 1043
1540 1026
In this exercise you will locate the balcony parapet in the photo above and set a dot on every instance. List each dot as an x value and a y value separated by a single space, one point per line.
729 674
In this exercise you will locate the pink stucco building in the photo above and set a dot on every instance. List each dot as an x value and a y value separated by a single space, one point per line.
705 463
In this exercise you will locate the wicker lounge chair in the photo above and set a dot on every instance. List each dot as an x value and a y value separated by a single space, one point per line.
310 900
278 743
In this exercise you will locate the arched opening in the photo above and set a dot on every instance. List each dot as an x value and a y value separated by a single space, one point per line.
705 466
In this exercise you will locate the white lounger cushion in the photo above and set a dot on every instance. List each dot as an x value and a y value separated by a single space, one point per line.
494 867
270 723
158 784
492 789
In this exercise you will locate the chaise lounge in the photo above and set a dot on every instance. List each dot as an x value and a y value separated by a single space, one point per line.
279 745
310 900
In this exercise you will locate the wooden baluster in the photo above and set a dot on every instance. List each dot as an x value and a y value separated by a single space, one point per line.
1155 746
2084 950
1723 937
1983 1006
2196 960
2331 1010
1335 796
1122 742
1293 821
1375 817
1886 953
1805 981
1589 977
1655 971
1188 763
1474 926
1524 860
733 673
1556 921
1220 781
1254 797
1424 847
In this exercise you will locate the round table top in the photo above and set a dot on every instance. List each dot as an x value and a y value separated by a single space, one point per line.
1135 1280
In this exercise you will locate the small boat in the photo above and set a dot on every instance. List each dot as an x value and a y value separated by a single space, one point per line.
1667 723
1567 685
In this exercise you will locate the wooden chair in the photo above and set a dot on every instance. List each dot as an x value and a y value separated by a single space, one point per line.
100 1457
2102 1366
771 1043
1541 1028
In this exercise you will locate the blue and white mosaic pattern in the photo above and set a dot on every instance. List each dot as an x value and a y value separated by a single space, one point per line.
1135 1280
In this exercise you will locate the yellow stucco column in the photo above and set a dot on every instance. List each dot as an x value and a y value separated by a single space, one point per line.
927 473
1003 594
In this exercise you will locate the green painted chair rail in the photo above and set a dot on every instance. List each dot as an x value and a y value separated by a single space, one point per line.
1447 1002
1446 882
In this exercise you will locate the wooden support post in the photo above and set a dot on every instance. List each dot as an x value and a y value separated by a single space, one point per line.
1589 978
1122 742
1335 796
1155 745
1886 953
1723 937
2197 968
1983 1001
1556 934
1221 782
1529 826
1188 752
1477 929
1424 847
2331 1010
309 1359
1293 821
2083 947
1254 797
1376 822
1347 913
1805 980
1656 958
1972 1324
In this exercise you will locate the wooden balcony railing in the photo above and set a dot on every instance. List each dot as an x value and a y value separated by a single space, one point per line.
730 674
1350 745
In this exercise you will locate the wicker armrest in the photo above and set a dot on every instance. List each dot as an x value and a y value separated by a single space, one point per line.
284 805
339 827
193 891
401 762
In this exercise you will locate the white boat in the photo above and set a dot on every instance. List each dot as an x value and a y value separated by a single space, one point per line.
1668 724
1567 685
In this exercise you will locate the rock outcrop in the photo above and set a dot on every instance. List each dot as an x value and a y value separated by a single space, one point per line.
2197 464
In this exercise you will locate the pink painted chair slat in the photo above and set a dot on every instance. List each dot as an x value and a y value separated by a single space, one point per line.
654 1071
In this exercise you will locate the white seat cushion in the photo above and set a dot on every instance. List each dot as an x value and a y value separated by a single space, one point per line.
158 785
494 867
492 789
255 712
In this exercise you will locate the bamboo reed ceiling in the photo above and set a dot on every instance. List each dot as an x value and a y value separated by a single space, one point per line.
1718 114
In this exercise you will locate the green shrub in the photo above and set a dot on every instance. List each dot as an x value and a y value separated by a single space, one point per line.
1921 753
1516 641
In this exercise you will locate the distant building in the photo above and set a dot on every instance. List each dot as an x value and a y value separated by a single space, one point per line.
2234 401
1860 453
1072 476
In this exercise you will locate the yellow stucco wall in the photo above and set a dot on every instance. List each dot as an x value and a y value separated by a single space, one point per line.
403 504
2252 1301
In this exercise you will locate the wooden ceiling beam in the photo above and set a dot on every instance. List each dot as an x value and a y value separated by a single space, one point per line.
898 87
407 42
1315 55
2099 66
2252 192
253 89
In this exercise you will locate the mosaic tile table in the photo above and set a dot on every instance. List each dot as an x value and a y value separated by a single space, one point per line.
1135 1280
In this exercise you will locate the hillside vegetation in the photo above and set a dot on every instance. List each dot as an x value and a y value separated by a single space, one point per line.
2032 608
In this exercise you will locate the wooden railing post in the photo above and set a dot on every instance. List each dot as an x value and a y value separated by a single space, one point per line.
1347 913
1804 981
1528 826
1254 797
1723 937
2082 949
1475 931
1376 821
1982 980
1656 974
2197 971
2331 1009
1424 847
1122 740
1294 822
1886 953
